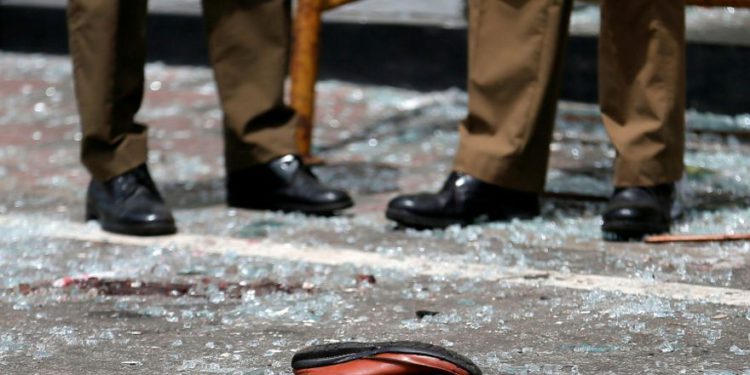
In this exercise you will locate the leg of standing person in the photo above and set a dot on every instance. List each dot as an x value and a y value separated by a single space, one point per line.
108 47
515 58
249 48
642 95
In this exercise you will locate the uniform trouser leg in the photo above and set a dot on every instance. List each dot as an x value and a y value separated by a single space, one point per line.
515 51
249 49
515 59
107 42
642 88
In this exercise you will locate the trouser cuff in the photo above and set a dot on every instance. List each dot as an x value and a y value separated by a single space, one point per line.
648 172
108 163
503 172
259 146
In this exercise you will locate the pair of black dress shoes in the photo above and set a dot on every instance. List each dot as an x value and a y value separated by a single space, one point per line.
131 203
632 212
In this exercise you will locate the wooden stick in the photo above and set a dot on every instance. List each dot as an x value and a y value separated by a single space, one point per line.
676 238
304 70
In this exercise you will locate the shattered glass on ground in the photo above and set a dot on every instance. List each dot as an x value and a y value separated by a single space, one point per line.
75 299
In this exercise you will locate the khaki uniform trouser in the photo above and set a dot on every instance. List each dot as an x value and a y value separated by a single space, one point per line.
515 59
249 46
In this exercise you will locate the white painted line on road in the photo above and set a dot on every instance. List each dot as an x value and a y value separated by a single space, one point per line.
423 266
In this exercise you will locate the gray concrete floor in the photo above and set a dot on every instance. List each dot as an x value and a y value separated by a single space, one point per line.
238 292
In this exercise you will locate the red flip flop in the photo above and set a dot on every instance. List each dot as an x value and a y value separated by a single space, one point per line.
390 358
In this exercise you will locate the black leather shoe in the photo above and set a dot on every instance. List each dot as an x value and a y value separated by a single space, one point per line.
284 184
129 204
463 200
635 212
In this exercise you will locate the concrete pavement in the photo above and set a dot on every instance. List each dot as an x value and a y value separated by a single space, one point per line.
238 292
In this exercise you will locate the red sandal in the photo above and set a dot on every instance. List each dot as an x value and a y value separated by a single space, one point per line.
392 358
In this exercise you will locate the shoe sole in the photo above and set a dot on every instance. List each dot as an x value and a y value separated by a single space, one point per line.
310 209
411 220
326 359
624 231
142 230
